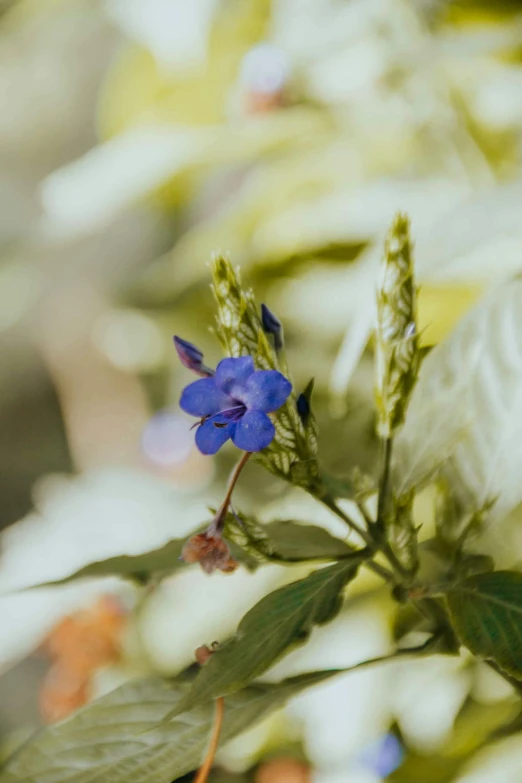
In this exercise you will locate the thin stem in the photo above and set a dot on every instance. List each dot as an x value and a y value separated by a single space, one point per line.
385 480
425 647
219 519
205 768
362 509
332 505
375 567
395 562
380 570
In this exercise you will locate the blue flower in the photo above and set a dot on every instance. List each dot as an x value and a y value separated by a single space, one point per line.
234 403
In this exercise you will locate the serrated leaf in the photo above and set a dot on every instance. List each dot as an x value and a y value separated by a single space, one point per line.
464 414
116 739
285 541
486 612
278 622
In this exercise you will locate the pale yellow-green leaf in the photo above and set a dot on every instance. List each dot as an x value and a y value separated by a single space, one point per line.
465 416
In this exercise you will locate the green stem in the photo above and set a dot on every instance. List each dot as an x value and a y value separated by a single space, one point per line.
330 503
385 480
424 648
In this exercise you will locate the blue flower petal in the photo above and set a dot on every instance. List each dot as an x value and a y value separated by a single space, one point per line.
232 374
210 438
253 432
266 390
203 398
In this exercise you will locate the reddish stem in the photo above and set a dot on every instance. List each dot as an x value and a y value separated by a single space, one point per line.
218 522
205 768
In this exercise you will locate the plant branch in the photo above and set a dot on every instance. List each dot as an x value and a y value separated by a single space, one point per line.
330 503
424 648
205 768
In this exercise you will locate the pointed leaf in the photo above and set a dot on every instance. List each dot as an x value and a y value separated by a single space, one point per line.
294 542
285 541
158 562
114 739
278 622
463 419
277 542
486 611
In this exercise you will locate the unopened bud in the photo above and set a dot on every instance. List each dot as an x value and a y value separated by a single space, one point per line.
303 408
202 654
191 357
304 402
211 552
272 325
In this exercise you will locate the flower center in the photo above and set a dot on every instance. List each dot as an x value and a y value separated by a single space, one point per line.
227 416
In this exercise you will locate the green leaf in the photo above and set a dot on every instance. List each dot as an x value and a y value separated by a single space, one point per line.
463 415
125 737
277 542
116 739
285 541
486 611
293 542
278 622
158 563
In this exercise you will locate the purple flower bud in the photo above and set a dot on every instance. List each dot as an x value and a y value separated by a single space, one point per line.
272 325
303 402
303 408
191 357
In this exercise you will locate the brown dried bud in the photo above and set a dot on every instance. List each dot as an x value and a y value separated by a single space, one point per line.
202 654
211 552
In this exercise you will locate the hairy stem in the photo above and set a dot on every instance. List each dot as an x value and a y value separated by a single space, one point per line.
205 768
